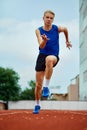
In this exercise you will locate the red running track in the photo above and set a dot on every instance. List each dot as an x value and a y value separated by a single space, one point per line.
45 120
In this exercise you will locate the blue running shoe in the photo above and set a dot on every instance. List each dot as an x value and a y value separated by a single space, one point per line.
36 109
45 92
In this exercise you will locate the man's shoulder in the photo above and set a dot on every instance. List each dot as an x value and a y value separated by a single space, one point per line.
55 26
40 27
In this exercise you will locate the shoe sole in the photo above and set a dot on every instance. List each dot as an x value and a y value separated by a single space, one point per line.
35 112
45 95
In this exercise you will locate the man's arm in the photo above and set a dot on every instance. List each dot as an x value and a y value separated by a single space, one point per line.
42 39
65 31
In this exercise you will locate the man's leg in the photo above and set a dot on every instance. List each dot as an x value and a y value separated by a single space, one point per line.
50 62
38 90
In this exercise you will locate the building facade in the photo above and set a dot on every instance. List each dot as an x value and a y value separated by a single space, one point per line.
83 49
73 90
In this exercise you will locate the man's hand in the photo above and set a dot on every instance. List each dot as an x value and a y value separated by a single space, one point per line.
43 41
68 44
45 38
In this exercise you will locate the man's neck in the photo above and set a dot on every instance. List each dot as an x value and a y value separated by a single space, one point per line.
47 28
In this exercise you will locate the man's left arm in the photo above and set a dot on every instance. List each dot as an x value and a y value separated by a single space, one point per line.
65 31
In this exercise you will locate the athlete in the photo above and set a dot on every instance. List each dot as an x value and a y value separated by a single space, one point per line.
48 39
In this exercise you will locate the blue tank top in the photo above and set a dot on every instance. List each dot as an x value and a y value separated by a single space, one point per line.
52 45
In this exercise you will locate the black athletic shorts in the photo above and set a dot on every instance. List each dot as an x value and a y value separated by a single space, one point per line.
40 63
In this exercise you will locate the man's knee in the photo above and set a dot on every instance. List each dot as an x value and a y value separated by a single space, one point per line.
38 86
49 62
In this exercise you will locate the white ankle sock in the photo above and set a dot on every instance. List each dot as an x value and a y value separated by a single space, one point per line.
46 82
37 102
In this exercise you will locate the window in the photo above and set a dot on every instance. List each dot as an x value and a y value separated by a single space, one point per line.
85 12
85 76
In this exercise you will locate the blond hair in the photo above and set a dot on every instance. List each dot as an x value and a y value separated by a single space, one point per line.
49 11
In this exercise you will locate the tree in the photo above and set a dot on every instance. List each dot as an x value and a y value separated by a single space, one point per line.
28 93
32 84
9 87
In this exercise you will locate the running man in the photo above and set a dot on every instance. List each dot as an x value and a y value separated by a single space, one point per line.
48 39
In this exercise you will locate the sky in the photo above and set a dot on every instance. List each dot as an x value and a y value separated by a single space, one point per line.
18 43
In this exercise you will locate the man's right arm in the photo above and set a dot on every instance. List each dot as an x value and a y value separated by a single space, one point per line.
42 39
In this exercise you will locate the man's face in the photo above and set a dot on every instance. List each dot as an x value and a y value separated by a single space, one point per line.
48 18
